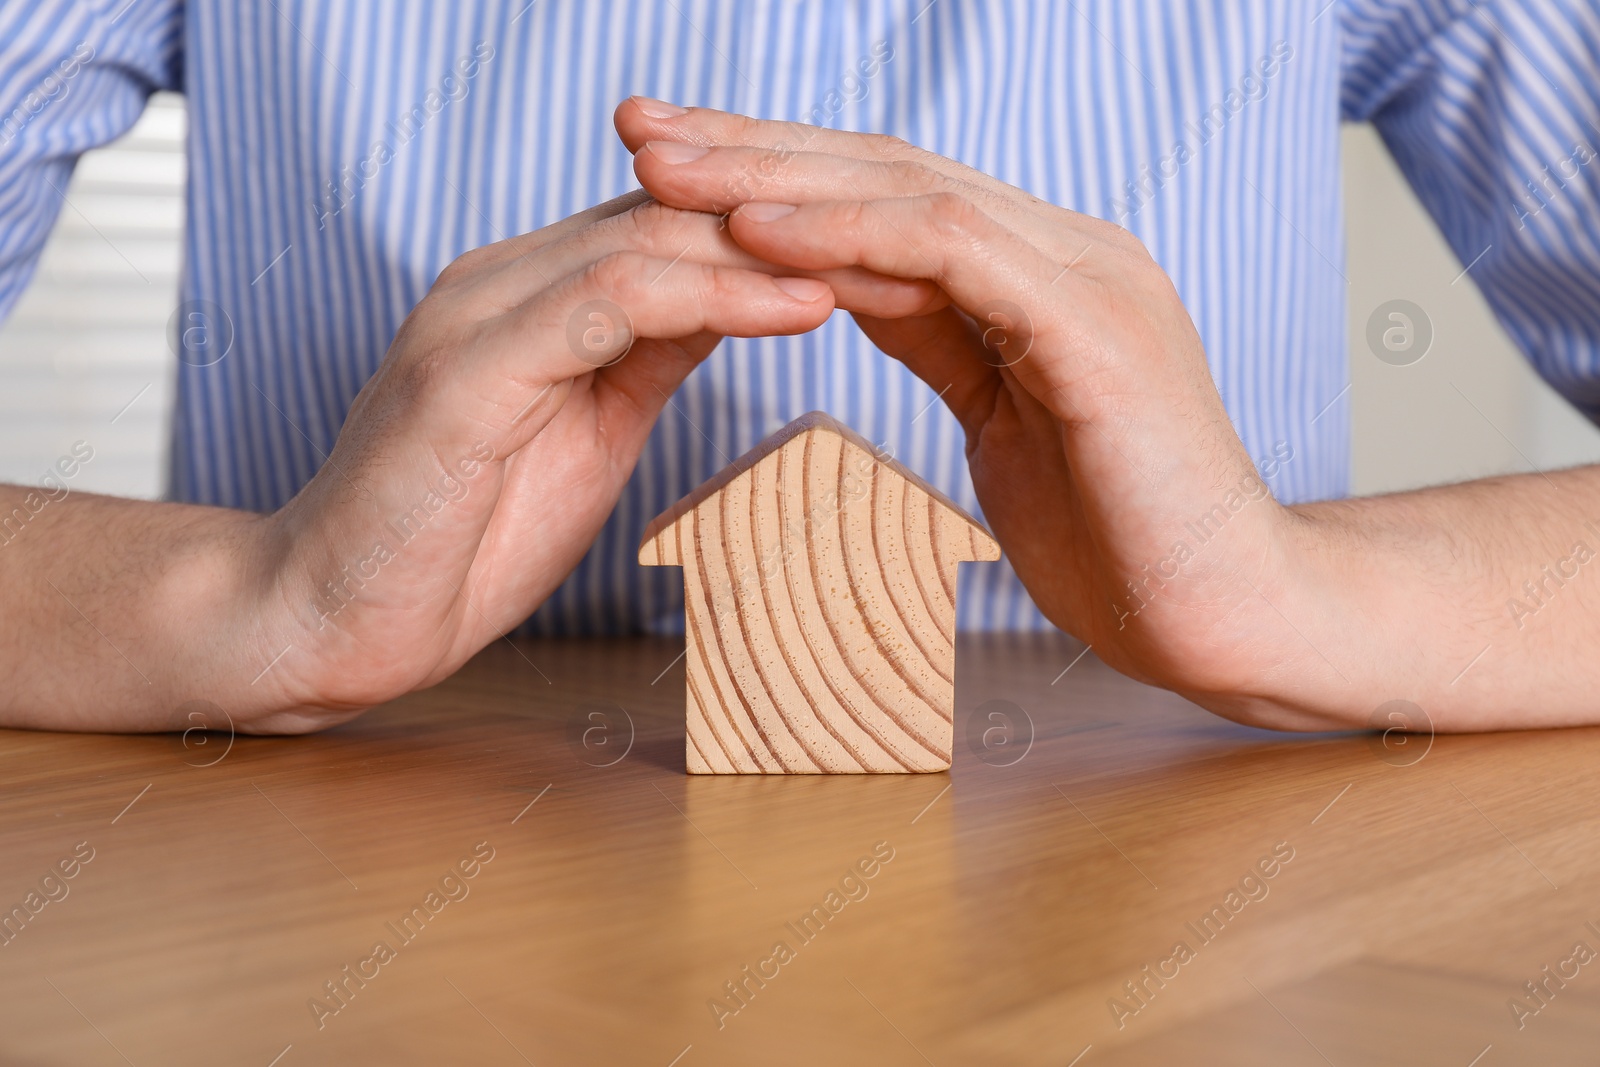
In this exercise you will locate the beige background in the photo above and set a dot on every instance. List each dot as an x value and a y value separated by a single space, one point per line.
1472 406
84 356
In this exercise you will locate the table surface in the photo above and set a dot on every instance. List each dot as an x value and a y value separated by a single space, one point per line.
232 879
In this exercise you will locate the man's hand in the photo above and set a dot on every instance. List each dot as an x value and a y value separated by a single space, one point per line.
530 375
1100 449
473 472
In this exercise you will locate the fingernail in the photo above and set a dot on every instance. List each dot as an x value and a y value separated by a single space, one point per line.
808 289
675 152
658 109
762 212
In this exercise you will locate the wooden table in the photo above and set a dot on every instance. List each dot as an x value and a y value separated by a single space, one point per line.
229 884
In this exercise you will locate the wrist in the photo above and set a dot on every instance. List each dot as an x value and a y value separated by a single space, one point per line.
287 679
223 597
1297 631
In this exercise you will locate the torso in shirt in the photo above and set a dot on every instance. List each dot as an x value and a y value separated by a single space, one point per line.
342 154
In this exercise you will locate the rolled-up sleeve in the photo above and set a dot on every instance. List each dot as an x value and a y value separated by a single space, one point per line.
1491 108
72 76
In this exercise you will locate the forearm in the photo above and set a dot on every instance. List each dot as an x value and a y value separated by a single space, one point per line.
121 612
1478 602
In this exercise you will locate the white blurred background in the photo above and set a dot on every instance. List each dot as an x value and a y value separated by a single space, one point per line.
88 342
85 353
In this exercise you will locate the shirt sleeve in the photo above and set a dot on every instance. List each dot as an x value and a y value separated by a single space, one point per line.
1491 108
72 76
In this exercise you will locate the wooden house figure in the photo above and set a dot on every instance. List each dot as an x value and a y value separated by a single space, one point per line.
819 588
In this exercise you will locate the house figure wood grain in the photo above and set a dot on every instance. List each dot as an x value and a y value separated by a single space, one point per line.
819 588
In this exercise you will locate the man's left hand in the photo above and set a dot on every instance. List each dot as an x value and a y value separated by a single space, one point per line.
1099 446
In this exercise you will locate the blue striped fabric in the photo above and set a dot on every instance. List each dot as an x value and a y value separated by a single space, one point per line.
342 154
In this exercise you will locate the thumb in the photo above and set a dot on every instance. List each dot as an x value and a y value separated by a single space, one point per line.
632 391
944 349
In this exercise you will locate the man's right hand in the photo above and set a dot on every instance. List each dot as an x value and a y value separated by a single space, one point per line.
500 429
472 473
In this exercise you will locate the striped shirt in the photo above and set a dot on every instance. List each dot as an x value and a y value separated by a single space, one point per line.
341 154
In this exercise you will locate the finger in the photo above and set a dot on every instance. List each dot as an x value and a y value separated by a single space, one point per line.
630 394
704 126
940 237
708 128
654 229
477 262
639 119
719 179
617 205
645 297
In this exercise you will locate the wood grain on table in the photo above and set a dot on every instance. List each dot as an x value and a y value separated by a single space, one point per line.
231 887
